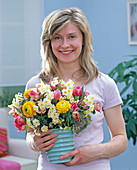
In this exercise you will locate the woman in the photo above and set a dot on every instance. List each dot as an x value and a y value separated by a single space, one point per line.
67 54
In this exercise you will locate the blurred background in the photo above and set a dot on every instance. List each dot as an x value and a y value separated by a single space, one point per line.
20 31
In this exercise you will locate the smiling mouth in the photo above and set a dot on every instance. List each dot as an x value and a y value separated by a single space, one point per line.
66 52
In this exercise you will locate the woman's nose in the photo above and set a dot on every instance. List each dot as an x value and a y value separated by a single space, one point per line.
65 43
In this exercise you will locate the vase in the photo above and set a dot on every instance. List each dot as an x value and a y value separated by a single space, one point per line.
63 145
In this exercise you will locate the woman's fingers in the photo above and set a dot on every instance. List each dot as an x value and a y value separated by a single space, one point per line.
74 154
45 141
74 161
70 154
48 145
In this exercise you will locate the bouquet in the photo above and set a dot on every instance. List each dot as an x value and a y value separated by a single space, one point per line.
55 105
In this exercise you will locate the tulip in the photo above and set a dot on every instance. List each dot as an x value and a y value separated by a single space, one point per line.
86 93
74 106
75 115
19 123
34 94
97 107
85 107
77 91
57 94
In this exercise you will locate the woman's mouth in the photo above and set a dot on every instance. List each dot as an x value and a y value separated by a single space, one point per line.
66 52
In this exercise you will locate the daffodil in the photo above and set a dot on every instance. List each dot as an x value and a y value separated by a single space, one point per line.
44 128
36 122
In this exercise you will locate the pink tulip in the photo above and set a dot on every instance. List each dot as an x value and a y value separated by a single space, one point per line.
86 93
77 91
85 107
57 94
74 106
34 94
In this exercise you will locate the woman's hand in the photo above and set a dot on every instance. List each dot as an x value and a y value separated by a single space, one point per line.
43 143
110 149
84 154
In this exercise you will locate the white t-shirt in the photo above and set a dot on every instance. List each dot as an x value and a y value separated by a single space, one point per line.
106 93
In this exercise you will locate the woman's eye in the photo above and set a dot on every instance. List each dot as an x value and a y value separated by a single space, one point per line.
72 36
57 38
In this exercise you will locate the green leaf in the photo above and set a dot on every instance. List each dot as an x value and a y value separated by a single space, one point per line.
135 85
125 89
132 126
134 106
128 132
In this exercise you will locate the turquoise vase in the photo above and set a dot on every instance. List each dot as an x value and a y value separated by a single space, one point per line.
63 145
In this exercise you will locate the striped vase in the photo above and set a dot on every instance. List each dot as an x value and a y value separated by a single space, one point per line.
63 145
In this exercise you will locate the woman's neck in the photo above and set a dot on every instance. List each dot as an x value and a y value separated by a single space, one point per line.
67 72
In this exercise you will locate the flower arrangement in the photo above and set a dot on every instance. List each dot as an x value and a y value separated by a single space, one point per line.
55 105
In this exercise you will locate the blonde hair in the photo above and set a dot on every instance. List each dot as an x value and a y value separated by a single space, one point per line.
53 23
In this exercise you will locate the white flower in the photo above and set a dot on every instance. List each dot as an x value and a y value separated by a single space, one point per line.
54 115
36 133
65 92
50 95
52 108
69 83
71 99
55 120
44 128
41 104
89 100
42 89
46 102
63 84
47 87
35 108
36 122
28 122
54 82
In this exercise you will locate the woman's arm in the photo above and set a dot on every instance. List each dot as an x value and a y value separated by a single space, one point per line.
114 147
116 124
42 142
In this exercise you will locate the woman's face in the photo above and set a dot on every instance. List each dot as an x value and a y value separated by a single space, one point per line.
67 44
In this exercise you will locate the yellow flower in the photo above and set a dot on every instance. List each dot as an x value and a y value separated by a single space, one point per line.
63 106
65 128
28 109
26 93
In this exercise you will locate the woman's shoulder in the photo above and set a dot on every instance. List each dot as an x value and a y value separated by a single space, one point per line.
104 79
32 82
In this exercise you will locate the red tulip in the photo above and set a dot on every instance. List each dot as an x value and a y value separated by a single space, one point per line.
19 123
75 116
97 107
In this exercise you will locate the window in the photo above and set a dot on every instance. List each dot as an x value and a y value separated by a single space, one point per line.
20 29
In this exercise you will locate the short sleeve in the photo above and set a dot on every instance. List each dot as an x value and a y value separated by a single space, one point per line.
32 82
111 94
